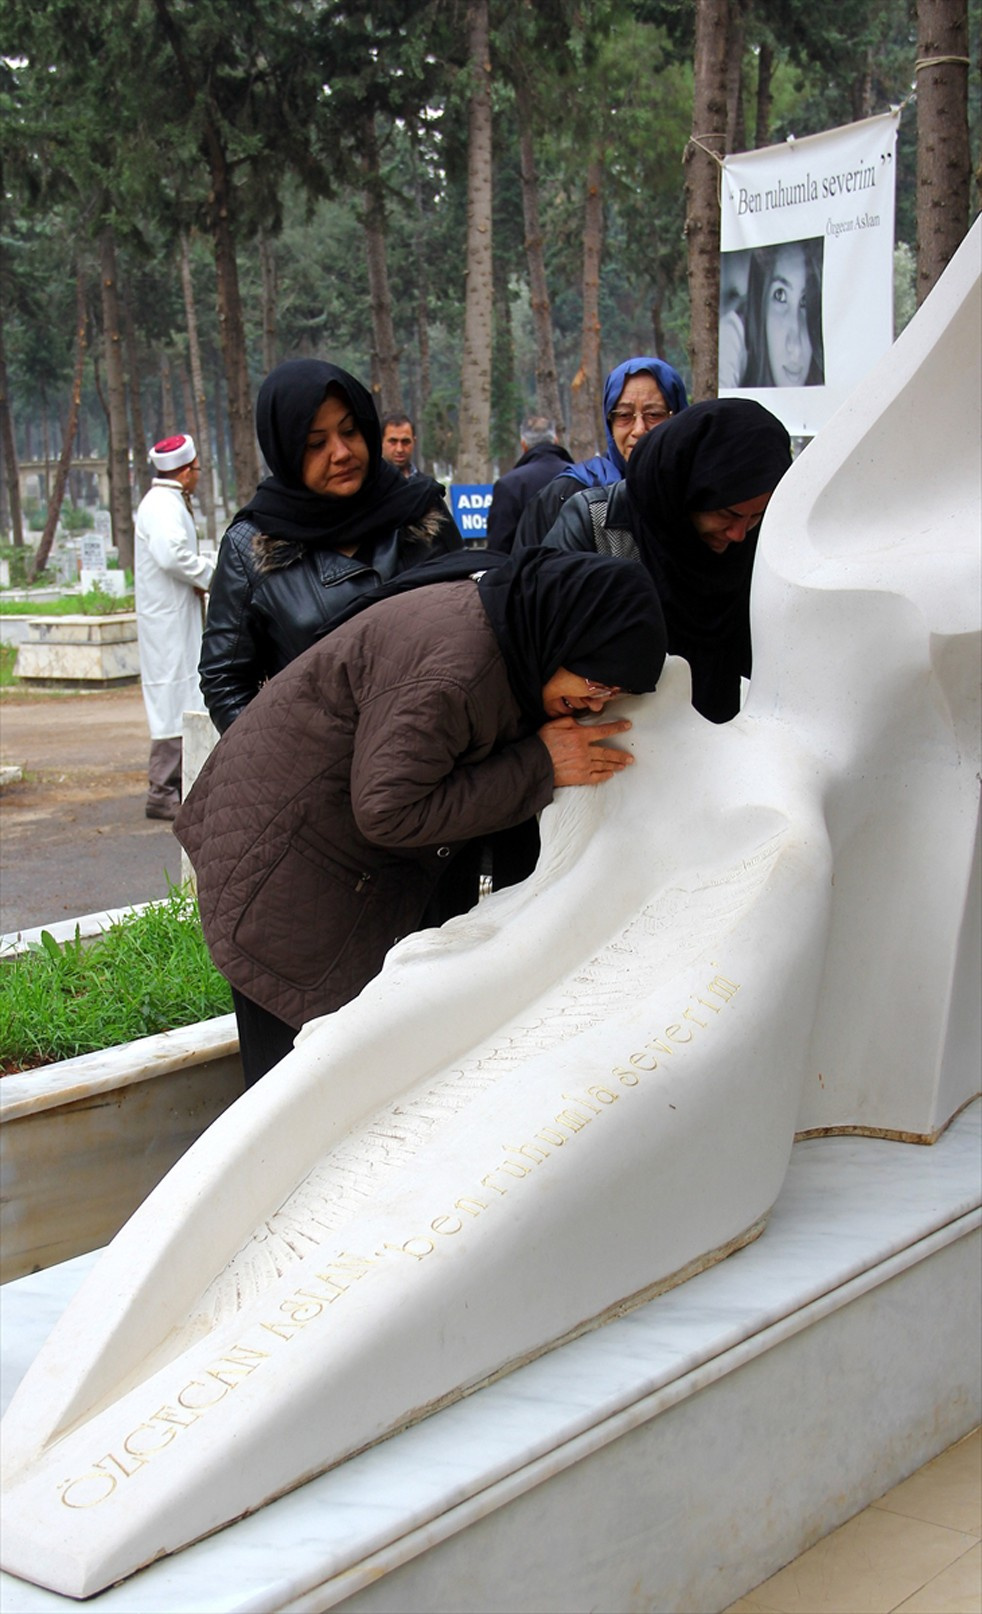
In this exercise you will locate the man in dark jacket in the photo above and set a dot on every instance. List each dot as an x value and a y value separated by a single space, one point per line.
542 459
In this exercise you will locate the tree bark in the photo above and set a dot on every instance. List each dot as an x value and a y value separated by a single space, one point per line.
71 426
168 415
546 374
202 435
943 157
11 466
120 501
423 458
141 467
245 459
765 96
587 428
267 264
386 383
736 134
475 375
702 195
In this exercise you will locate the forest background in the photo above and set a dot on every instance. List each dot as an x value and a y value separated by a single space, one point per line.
480 205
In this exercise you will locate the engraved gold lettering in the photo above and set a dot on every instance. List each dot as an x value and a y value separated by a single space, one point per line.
299 1312
708 1005
281 1330
199 1406
168 1415
514 1168
148 1451
487 1183
528 1151
573 1119
639 1060
446 1224
688 1015
675 1032
663 1047
417 1255
551 1134
473 1207
603 1094
723 988
627 1078
127 1473
239 1361
575 1098
83 1499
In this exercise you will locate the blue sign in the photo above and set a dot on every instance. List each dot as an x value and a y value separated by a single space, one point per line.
469 506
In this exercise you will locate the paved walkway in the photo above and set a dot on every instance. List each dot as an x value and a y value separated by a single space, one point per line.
73 836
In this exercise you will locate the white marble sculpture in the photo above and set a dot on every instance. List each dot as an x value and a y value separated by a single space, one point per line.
588 1089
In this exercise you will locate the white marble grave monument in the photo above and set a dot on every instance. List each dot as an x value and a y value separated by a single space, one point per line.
586 1091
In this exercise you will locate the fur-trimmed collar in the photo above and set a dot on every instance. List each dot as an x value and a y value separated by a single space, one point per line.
272 554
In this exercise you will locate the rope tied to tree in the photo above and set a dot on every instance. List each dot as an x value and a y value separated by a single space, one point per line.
941 61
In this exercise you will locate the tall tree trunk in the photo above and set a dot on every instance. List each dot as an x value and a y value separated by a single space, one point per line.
587 432
765 95
422 311
267 264
245 460
506 397
475 372
221 440
168 414
11 468
121 504
386 383
202 436
546 374
736 134
141 466
943 157
231 325
71 426
702 195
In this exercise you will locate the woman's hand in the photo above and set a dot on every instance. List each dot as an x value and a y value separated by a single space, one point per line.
578 755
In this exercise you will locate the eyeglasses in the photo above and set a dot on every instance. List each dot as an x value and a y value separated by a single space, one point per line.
650 416
601 691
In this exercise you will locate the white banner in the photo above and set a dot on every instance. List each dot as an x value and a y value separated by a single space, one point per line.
806 273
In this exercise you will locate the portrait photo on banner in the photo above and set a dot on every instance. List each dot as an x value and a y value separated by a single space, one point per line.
771 326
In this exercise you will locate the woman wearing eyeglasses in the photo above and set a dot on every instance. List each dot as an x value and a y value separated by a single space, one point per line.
321 822
639 395
689 508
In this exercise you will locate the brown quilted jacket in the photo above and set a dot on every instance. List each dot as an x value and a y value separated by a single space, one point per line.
324 816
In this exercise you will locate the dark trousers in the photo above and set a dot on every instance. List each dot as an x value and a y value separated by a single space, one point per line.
164 773
263 1039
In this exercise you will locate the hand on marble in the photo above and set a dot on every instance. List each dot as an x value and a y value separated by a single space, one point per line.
578 757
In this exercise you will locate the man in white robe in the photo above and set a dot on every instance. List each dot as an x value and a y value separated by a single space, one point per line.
171 580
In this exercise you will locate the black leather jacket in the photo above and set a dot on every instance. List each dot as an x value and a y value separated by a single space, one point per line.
272 598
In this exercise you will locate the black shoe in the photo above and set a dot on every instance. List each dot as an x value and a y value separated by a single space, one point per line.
167 811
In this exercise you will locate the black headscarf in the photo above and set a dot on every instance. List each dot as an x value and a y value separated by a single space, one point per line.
283 507
710 457
595 615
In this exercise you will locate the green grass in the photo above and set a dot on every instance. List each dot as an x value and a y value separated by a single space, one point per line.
93 603
150 972
8 655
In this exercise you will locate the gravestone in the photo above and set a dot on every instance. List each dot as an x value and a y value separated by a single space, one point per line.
586 1091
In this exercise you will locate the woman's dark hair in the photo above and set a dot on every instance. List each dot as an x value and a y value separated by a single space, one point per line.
762 261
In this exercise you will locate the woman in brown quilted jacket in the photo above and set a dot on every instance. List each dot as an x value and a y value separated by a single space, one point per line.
323 818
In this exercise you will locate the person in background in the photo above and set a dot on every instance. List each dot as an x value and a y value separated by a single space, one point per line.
639 395
321 822
543 457
170 582
399 443
689 509
332 521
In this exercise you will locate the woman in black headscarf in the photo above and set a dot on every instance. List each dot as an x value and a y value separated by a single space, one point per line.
689 509
332 520
322 820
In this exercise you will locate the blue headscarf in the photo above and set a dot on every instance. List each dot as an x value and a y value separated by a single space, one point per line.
604 469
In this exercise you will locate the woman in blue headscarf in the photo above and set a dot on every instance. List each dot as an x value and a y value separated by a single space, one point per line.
639 395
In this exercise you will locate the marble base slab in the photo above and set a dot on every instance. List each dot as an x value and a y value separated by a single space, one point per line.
87 650
670 1460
